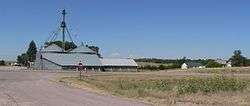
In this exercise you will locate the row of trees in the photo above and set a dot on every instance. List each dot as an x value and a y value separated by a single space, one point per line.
176 62
237 60
159 67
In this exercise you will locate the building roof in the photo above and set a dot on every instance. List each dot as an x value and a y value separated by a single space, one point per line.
118 62
194 64
220 61
72 59
82 49
52 48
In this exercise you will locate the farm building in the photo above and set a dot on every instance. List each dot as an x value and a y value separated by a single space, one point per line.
225 63
192 65
118 64
54 58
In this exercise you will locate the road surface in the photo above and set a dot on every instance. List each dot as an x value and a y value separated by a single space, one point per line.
36 89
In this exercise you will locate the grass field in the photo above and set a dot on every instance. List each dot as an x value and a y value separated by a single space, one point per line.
236 70
173 87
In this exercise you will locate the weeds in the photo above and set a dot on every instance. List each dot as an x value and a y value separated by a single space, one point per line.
157 87
208 90
161 85
222 70
212 84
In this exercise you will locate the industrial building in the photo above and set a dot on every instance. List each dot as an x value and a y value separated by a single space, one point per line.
112 64
53 57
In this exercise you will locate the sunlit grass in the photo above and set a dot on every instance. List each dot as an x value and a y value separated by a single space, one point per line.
169 89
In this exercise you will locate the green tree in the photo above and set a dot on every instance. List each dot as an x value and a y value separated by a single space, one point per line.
237 59
22 59
2 63
183 60
30 55
31 52
96 49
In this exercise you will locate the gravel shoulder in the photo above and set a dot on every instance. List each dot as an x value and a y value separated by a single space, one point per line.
24 88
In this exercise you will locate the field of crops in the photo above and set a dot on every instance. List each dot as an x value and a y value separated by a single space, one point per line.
175 87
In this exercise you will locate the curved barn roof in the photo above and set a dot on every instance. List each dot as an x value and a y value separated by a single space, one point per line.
52 48
64 59
82 49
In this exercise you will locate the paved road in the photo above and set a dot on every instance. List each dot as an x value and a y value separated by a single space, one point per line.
36 89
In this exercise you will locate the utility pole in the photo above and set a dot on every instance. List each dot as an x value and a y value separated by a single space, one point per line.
63 26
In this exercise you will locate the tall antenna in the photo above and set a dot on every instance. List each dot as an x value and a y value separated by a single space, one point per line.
63 26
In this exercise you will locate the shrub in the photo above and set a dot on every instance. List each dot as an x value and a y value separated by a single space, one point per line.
149 67
213 64
173 66
162 67
2 63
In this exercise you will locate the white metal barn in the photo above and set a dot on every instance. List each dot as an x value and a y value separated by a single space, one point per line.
54 58
109 64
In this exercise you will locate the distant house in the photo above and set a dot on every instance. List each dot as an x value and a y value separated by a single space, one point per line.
184 66
188 65
229 64
225 63
15 64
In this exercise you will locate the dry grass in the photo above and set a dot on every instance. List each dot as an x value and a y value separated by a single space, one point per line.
159 88
222 70
221 98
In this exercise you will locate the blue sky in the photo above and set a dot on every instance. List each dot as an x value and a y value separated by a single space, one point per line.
132 28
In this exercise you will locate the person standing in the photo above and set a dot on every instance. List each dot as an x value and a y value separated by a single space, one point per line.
80 69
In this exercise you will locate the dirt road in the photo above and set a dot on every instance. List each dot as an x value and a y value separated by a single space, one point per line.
36 89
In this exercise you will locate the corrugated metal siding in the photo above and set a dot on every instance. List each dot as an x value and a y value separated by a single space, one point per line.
44 64
73 59
47 65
